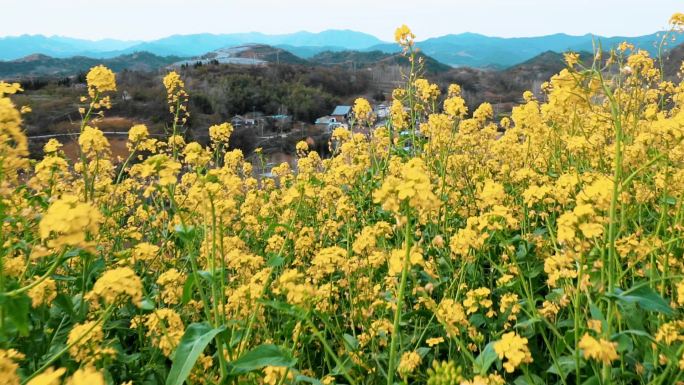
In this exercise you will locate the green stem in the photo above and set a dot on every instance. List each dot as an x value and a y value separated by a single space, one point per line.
399 303
54 358
37 282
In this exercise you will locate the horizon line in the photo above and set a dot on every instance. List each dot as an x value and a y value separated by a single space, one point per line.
319 32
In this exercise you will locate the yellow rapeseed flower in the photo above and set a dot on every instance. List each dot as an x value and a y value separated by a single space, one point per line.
100 79
86 376
677 19
404 36
220 133
67 221
117 284
43 293
363 112
9 366
48 377
514 348
598 350
408 363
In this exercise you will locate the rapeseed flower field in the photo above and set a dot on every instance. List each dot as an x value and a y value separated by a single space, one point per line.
446 247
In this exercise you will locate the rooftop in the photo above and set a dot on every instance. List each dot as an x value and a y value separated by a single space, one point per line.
341 110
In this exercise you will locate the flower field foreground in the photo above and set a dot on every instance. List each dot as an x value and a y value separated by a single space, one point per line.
443 249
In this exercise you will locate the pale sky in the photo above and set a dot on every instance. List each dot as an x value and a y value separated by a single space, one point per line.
151 19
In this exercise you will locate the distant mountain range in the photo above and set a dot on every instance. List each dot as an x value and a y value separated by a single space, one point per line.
466 49
474 50
39 65
15 47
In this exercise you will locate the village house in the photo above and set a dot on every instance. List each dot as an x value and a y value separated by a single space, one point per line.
327 123
382 111
237 121
341 114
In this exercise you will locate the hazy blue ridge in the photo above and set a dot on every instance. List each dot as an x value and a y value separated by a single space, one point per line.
465 49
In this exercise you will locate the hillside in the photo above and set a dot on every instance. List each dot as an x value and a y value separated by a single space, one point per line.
673 61
46 66
249 54
366 59
39 65
360 58
542 66
505 87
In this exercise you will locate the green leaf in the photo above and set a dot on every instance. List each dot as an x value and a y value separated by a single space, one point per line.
187 289
528 323
485 359
422 352
566 365
648 299
625 343
275 261
236 338
308 380
597 314
525 380
668 200
593 380
262 356
283 307
17 312
196 338
147 304
65 304
351 342
638 333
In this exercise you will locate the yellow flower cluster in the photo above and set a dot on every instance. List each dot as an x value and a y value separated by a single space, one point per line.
85 376
9 366
677 20
598 349
86 343
68 221
171 282
100 79
408 364
177 99
514 349
43 293
93 143
13 142
363 112
164 327
220 133
452 316
175 87
120 284
404 36
411 186
426 91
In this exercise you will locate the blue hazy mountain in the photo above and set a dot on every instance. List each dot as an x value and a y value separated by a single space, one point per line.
475 50
16 47
465 49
